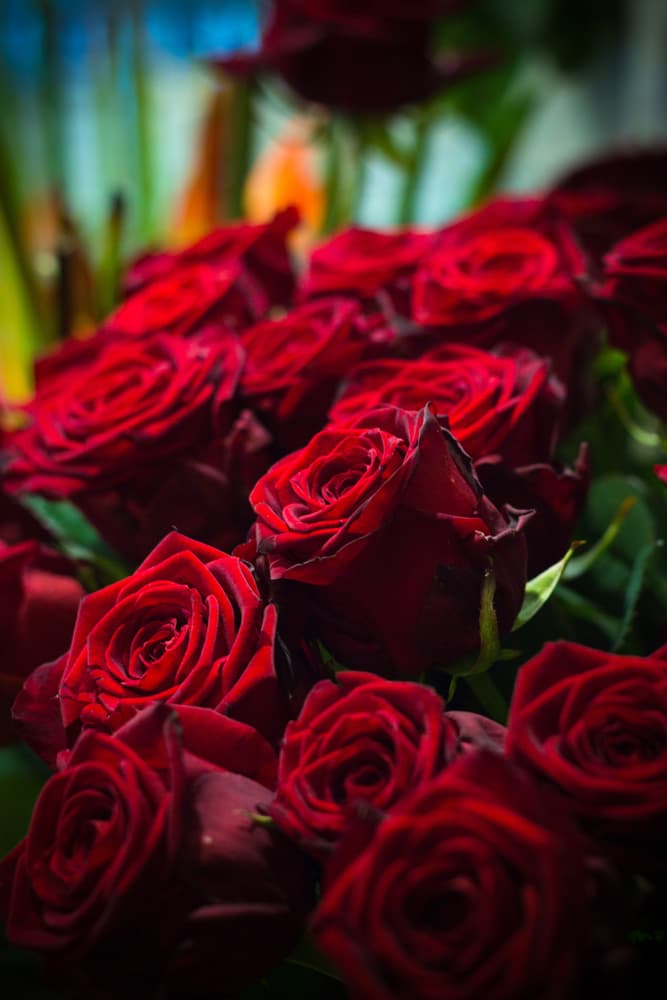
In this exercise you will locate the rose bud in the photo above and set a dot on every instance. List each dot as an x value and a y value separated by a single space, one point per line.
39 600
188 627
360 510
475 886
109 864
253 884
360 738
594 724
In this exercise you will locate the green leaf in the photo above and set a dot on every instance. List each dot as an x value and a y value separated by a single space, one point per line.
541 587
582 563
22 775
580 607
76 537
632 592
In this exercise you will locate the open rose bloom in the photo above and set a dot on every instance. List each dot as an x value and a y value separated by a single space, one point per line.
273 544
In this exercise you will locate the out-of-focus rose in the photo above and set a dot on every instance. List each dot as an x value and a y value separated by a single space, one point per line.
39 600
594 724
188 627
232 276
506 272
607 199
634 298
504 404
365 58
121 851
364 261
359 511
103 412
475 886
294 365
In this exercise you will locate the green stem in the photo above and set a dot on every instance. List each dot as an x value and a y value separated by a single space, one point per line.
240 147
333 180
412 176
490 698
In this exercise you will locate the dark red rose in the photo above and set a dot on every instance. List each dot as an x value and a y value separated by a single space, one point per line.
39 599
556 495
188 627
595 725
661 473
179 302
359 738
359 511
294 364
120 846
609 198
475 886
346 56
364 261
98 419
233 275
506 272
634 299
504 404
202 494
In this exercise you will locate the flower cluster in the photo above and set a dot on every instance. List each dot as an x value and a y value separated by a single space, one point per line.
332 490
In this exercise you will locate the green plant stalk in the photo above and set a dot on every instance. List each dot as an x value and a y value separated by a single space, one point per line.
488 695
240 153
412 174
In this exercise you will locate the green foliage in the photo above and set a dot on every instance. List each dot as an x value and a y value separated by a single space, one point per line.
78 539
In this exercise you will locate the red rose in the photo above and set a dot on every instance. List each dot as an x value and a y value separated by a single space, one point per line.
608 198
359 511
188 627
294 364
357 739
556 495
595 725
202 493
121 842
506 404
507 272
347 58
101 415
475 886
661 472
634 298
39 599
233 275
364 261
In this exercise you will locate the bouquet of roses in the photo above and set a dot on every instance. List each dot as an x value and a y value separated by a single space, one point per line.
265 541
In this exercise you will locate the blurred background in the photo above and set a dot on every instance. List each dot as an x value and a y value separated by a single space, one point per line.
117 134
